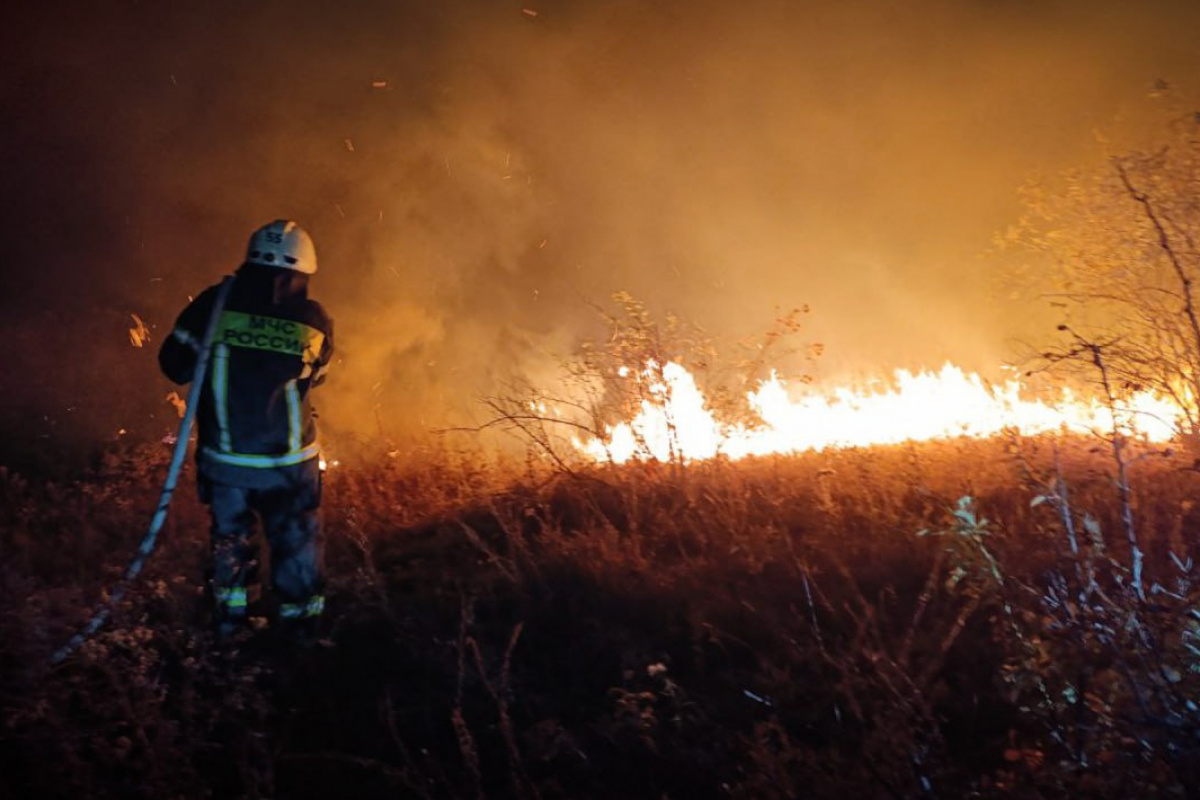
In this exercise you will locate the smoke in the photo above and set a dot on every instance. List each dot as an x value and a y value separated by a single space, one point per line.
476 174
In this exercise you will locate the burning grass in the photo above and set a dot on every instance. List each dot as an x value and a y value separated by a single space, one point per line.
768 628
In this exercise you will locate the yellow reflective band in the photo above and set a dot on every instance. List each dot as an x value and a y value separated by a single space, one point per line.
257 332
220 389
231 597
313 608
262 461
293 402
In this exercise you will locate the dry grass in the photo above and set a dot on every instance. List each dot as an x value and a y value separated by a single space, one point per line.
766 629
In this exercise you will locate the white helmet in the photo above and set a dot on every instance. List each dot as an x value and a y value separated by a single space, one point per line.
284 244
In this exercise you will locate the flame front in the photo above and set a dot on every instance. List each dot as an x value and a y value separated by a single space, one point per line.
675 422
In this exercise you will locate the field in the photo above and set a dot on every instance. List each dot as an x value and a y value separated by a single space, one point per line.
961 619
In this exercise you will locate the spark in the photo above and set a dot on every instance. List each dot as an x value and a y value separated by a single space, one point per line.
139 334
178 403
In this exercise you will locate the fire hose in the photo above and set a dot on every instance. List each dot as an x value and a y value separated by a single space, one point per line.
164 500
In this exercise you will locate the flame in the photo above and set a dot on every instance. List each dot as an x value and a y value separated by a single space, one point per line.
675 421
139 334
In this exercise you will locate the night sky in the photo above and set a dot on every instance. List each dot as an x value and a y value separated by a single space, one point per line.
476 174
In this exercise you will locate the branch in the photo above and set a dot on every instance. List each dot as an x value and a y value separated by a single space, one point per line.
1164 242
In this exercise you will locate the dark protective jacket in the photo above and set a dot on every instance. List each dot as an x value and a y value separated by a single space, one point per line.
255 417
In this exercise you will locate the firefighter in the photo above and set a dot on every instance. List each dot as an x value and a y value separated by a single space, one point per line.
257 454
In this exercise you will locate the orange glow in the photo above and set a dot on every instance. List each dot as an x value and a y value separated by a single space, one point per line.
923 406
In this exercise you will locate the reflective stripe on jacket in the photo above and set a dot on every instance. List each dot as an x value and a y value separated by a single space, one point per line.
255 411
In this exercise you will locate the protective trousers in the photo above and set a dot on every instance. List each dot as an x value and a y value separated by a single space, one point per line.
292 525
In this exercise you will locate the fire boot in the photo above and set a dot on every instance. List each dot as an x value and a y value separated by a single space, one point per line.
229 613
300 623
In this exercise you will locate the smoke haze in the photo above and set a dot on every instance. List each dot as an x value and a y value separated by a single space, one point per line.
475 174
